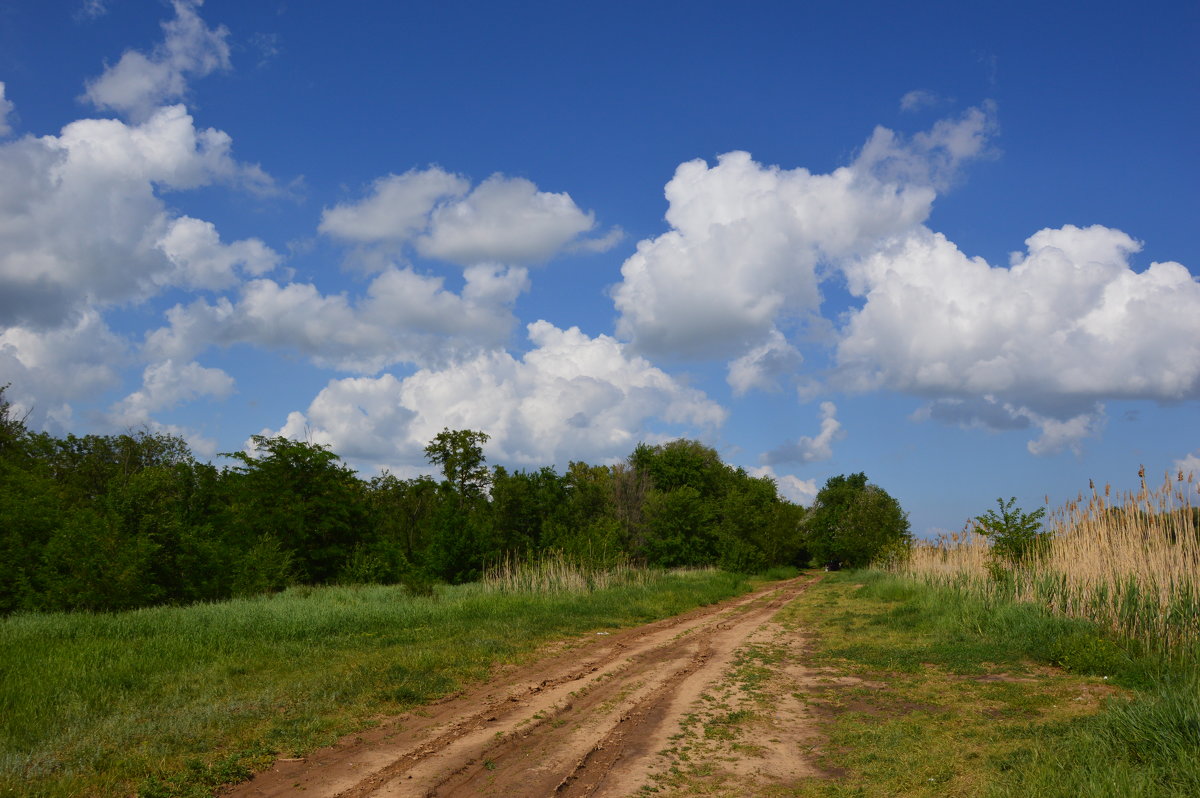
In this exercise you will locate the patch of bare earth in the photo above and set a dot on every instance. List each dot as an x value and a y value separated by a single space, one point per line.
707 696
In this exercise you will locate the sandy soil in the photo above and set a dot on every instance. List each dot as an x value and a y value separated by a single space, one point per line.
601 716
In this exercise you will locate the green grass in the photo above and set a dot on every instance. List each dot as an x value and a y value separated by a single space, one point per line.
962 696
174 701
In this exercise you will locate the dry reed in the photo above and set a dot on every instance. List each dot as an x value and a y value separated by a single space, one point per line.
558 572
1129 562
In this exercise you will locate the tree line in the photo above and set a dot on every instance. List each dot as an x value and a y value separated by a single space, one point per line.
113 522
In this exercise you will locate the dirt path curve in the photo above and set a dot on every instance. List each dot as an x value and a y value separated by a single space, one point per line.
594 719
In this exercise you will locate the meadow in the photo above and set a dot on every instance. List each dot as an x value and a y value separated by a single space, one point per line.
172 701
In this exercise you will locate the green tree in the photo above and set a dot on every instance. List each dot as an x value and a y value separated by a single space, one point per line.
459 453
1015 534
301 495
853 521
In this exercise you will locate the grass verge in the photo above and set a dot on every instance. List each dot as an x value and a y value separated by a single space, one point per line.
176 701
933 692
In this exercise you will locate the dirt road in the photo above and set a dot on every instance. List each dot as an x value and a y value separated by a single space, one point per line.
706 697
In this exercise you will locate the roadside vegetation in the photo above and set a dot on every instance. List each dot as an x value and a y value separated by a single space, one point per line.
938 691
173 701
1129 563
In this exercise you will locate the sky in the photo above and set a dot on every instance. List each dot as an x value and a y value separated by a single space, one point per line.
951 245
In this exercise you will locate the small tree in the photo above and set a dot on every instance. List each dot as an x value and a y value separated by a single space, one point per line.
853 521
460 455
1015 534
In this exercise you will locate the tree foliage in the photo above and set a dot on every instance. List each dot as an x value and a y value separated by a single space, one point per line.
1015 534
853 521
112 522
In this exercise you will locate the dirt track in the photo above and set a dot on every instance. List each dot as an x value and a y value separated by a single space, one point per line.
710 692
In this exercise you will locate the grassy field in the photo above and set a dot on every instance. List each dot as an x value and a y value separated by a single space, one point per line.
172 701
961 696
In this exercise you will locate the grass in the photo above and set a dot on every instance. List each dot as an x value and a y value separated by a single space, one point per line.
933 691
174 701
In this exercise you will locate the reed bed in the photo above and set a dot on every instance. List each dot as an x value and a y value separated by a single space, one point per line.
559 572
1130 562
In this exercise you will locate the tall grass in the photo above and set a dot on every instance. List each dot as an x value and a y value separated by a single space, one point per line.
170 701
559 572
1129 562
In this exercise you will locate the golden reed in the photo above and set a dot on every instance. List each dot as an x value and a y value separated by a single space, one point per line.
1130 562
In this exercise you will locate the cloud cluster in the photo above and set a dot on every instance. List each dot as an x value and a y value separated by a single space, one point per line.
570 397
404 317
740 262
810 449
1042 342
139 83
82 225
503 219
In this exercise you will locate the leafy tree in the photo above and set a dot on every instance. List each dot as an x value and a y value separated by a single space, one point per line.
459 453
679 528
301 495
682 463
853 521
1015 534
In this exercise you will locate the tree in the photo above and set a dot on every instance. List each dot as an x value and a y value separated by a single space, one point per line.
302 496
853 521
460 455
1015 534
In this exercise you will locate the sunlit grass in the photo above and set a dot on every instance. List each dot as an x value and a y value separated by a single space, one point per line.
172 700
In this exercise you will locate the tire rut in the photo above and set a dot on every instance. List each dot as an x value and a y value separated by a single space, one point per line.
558 727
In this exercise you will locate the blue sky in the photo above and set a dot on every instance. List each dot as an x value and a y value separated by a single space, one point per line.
953 246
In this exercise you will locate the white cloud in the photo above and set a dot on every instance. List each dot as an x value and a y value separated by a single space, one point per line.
6 108
791 487
138 83
404 317
571 397
1189 464
396 210
918 99
763 365
50 369
194 247
81 222
810 449
1067 325
503 219
167 384
740 260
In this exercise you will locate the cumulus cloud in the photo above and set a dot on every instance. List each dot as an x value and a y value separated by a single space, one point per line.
396 209
810 449
194 248
570 397
741 258
138 83
166 385
503 219
1189 464
50 369
791 487
81 222
1068 324
6 108
404 317
763 365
